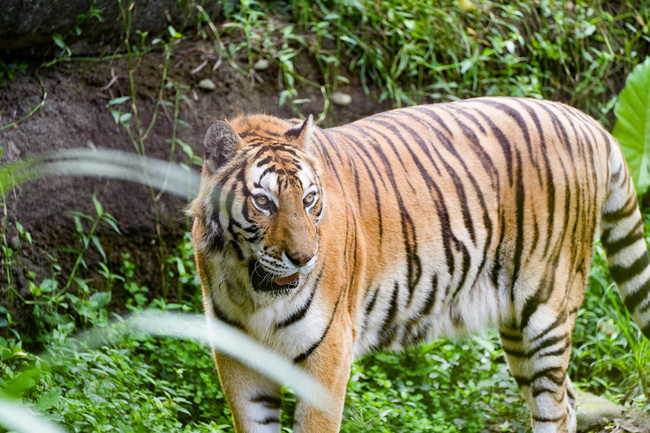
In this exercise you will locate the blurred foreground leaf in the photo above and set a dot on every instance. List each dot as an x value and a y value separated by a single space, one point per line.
19 419
169 177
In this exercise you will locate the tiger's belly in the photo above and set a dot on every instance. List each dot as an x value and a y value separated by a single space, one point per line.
391 317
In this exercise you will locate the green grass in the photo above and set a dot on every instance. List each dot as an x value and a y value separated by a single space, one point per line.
140 383
425 51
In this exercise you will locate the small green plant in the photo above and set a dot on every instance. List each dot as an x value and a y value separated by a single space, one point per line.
60 40
8 70
85 239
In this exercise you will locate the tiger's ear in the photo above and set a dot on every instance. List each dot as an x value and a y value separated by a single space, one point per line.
301 134
220 143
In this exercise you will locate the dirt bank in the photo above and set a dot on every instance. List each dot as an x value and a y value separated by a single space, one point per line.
76 114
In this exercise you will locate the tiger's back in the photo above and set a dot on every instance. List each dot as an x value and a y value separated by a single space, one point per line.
465 210
420 222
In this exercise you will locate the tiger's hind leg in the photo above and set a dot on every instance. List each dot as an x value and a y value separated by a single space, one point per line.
539 365
538 349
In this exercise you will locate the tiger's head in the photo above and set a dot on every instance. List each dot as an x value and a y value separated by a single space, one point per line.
261 200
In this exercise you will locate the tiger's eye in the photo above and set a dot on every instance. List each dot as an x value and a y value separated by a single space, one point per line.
261 200
309 198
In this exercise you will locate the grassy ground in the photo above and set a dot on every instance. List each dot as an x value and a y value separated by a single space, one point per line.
413 51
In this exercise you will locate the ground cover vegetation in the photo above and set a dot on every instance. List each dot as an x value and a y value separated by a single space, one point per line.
407 52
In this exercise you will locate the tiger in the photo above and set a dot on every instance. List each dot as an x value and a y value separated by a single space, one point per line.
412 224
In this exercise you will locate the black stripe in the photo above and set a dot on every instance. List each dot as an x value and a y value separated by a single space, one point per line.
326 157
488 165
520 204
557 322
644 307
535 240
238 251
298 359
494 273
431 297
547 419
389 328
430 111
375 120
646 330
269 401
631 238
466 265
222 317
622 274
367 312
541 295
302 311
540 132
427 146
634 300
263 161
414 270
216 237
539 391
555 374
545 344
623 212
559 351
515 335
519 120
269 420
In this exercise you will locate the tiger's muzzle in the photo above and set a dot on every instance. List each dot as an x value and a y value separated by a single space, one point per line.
267 282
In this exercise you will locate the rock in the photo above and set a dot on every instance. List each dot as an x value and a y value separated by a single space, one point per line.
592 410
31 23
261 65
467 5
12 150
340 98
207 84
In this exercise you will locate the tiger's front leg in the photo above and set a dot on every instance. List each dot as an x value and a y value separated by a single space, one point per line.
254 400
330 365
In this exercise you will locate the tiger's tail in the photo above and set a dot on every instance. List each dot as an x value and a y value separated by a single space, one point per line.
624 242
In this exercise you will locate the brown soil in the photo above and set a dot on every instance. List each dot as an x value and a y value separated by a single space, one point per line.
75 114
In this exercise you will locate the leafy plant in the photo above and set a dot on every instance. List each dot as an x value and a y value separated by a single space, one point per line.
85 239
632 129
8 70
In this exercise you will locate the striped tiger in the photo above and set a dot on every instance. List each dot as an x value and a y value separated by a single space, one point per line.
428 221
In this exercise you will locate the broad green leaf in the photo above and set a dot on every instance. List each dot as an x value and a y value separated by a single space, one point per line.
98 245
98 206
119 100
632 129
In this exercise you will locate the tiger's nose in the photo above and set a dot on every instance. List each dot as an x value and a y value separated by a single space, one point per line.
299 259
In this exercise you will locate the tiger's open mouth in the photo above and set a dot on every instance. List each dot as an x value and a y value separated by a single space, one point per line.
264 281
